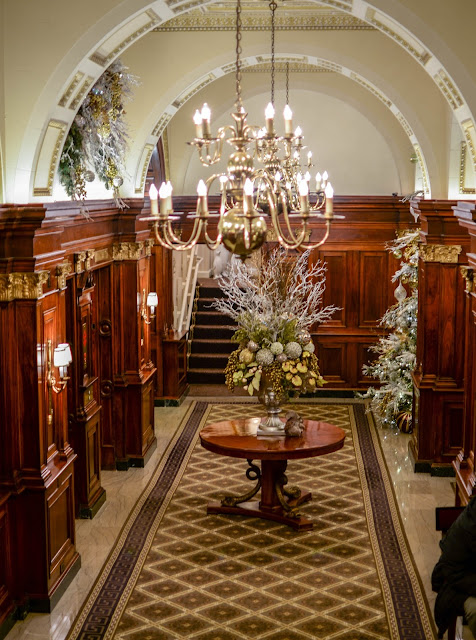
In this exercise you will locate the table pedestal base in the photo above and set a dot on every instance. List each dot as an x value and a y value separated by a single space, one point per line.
277 503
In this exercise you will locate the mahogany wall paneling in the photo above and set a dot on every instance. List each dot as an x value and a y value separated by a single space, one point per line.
162 275
333 357
438 378
133 446
106 341
174 366
6 601
373 287
61 543
336 285
85 419
47 461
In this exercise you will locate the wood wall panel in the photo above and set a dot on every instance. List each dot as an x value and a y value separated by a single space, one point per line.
336 285
373 288
438 378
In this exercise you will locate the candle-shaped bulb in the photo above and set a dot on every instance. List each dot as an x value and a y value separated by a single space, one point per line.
329 191
309 158
269 114
206 115
318 180
197 119
298 132
248 196
269 111
325 176
202 197
299 176
153 193
304 196
201 188
296 155
288 120
277 176
303 188
248 187
307 176
163 193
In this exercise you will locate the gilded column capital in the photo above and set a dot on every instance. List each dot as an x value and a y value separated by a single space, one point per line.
468 275
148 247
127 250
62 271
22 286
444 253
79 259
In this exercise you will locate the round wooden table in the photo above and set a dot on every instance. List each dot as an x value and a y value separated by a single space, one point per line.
239 439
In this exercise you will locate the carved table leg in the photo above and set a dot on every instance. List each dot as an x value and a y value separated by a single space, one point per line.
277 503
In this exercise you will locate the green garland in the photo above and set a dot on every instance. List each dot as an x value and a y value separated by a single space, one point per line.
98 135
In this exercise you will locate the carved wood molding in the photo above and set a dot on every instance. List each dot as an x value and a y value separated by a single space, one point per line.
127 250
62 272
468 275
22 286
447 254
83 259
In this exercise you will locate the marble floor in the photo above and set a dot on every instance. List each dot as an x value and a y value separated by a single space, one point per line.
417 496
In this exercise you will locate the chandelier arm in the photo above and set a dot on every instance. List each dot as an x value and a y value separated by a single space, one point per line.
171 241
180 245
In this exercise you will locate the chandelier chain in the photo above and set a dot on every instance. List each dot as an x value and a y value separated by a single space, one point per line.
287 82
273 6
238 56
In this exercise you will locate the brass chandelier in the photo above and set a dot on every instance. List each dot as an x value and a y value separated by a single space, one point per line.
242 225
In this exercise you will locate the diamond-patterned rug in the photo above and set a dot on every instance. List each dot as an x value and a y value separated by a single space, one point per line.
177 572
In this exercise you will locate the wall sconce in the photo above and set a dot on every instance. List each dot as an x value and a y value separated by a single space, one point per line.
61 358
152 302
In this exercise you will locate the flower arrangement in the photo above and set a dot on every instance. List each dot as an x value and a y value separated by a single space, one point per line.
274 307
98 136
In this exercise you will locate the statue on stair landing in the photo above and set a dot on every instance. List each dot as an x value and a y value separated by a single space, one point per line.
221 257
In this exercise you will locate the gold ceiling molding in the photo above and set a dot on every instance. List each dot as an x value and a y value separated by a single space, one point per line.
298 20
424 174
69 91
403 121
448 89
447 254
127 251
382 23
144 22
165 145
146 156
470 135
22 286
301 67
186 96
468 275
51 146
371 88
62 272
161 124
81 93
462 170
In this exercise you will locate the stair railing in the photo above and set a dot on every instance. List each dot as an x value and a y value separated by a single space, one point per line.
186 291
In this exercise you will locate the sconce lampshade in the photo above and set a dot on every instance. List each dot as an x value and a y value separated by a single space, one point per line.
152 299
62 355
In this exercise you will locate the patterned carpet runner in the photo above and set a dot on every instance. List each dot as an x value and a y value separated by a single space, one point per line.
176 572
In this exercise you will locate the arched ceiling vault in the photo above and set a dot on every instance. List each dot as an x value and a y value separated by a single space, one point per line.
437 40
298 64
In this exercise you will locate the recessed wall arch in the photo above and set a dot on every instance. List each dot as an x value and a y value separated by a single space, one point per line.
296 62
